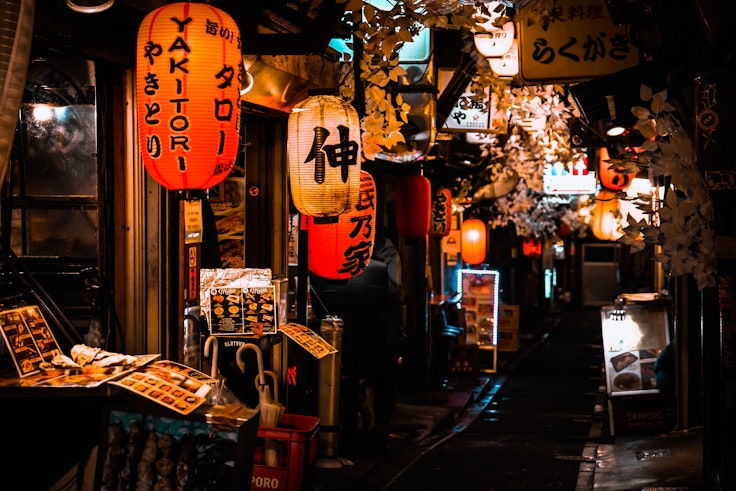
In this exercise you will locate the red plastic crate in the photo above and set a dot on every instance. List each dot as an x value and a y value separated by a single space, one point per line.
296 433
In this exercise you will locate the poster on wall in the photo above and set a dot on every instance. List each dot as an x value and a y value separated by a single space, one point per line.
227 200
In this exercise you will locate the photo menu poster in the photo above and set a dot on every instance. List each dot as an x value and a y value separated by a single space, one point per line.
243 311
29 338
633 338
479 290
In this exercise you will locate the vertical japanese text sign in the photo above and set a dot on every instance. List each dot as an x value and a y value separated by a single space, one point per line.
581 42
189 71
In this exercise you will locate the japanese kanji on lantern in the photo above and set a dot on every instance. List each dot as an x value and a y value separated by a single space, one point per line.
439 225
323 153
188 78
413 203
343 247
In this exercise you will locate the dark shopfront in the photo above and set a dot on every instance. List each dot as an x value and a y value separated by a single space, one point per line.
101 238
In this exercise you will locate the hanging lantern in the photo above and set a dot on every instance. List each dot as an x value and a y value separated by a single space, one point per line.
441 213
342 248
605 222
413 204
324 148
491 41
507 65
473 247
610 177
531 247
188 76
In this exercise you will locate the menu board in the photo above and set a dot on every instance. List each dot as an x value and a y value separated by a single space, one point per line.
308 339
29 339
479 290
633 337
247 310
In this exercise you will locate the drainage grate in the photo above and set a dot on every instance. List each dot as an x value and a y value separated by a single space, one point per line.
652 453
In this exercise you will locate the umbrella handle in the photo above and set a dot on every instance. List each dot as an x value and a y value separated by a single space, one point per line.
275 383
212 340
259 357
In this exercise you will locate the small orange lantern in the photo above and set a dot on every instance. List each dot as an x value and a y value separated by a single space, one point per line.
439 225
188 77
532 247
324 152
413 204
473 247
342 249
610 177
605 222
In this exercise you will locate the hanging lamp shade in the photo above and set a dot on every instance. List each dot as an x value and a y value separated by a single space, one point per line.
473 247
531 247
324 152
188 76
342 248
439 225
605 222
413 204
610 176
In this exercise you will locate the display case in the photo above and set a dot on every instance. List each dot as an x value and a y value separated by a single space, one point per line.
479 290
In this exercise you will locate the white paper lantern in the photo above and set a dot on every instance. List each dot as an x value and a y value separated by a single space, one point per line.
324 156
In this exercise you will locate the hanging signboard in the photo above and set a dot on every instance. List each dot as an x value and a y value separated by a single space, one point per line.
580 42
471 115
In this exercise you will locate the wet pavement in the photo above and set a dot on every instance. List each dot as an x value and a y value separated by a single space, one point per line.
540 422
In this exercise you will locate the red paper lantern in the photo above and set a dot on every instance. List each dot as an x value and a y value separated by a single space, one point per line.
324 153
605 222
188 78
413 204
473 247
439 225
610 177
531 247
342 249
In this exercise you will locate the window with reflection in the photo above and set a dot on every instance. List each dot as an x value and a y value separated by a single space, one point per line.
53 180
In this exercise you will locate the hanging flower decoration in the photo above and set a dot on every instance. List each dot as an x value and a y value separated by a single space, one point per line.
682 223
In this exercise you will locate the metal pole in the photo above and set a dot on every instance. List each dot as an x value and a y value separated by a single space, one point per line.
328 404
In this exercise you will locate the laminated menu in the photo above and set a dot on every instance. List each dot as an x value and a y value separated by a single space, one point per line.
29 338
245 311
170 384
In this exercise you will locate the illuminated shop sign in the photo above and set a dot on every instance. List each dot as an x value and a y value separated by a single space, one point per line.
580 42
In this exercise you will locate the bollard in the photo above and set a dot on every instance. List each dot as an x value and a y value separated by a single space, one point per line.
328 403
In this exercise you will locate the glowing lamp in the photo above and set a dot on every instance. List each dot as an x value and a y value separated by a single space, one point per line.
473 247
188 76
507 65
439 225
324 148
610 176
531 247
492 41
342 248
605 222
413 203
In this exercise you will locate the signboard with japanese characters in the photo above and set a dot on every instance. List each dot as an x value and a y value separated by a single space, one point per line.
580 42
472 115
